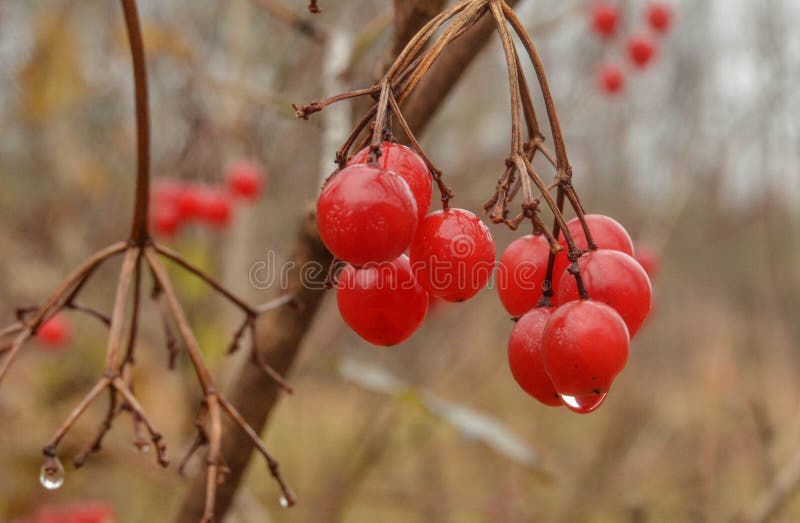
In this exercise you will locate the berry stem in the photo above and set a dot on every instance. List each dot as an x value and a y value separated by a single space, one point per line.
140 232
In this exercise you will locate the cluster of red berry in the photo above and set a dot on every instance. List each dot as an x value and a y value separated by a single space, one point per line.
641 46
176 203
373 211
570 354
83 512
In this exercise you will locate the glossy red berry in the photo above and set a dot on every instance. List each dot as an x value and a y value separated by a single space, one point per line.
215 208
408 165
584 346
649 258
641 50
525 357
452 254
659 15
605 17
521 273
607 233
246 179
613 278
382 303
55 332
366 214
611 79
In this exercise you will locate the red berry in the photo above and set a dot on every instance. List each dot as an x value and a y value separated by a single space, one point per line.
54 332
584 346
215 208
190 201
521 273
649 259
246 179
382 303
525 357
93 512
611 79
366 214
613 278
165 218
452 254
607 233
605 17
410 166
641 49
167 191
659 16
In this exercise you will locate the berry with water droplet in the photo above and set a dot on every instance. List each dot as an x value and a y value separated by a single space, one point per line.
521 273
51 475
408 165
616 279
525 357
584 346
382 303
366 214
584 404
452 254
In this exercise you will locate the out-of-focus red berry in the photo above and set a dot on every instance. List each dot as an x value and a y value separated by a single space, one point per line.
605 17
215 208
641 50
611 79
659 15
55 332
190 201
246 179
649 258
165 218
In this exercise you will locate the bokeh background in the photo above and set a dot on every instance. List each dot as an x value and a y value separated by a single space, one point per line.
699 157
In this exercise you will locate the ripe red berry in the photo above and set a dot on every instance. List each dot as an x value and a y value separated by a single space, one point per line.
246 179
165 218
382 303
605 17
452 254
659 16
215 208
525 357
641 49
613 278
190 201
607 233
366 214
55 332
521 273
611 79
649 259
584 346
408 165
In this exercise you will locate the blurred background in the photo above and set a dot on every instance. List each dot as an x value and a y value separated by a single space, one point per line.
698 156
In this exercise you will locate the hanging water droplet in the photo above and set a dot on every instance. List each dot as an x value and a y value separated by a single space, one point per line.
284 502
51 476
584 404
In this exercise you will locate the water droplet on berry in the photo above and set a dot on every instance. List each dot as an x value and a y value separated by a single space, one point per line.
584 404
284 502
51 476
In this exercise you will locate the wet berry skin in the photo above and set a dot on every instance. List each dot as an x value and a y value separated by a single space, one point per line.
584 346
521 273
366 214
607 233
453 254
408 165
613 278
525 357
382 303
